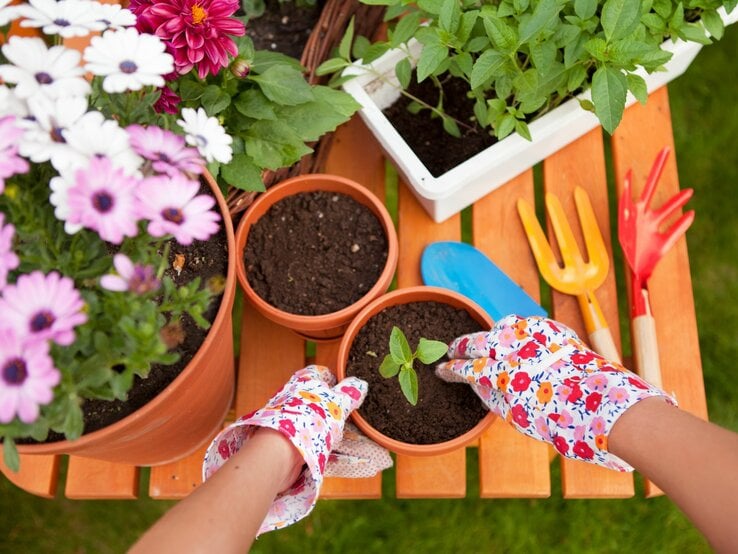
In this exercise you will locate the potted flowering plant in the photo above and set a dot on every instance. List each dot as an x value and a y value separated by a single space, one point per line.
115 242
512 77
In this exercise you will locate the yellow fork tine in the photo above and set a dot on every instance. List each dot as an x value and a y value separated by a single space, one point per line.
567 244
547 263
599 262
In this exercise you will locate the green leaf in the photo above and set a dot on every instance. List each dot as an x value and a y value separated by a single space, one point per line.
468 20
576 77
694 33
677 18
587 105
654 22
585 8
503 36
389 367
430 58
506 126
620 18
252 103
450 16
609 87
543 54
331 66
543 13
312 120
637 85
243 174
361 43
597 48
284 85
266 59
404 30
663 8
399 347
344 48
521 128
429 351
215 100
404 72
274 144
73 422
375 51
10 454
431 6
713 23
191 90
450 126
409 384
465 63
487 66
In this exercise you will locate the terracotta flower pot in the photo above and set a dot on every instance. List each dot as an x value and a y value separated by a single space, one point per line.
395 298
184 415
326 326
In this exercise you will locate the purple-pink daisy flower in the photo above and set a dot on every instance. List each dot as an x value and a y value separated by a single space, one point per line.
173 206
197 32
10 162
8 259
27 377
104 199
136 278
166 151
43 307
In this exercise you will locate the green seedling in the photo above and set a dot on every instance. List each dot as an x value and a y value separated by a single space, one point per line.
400 360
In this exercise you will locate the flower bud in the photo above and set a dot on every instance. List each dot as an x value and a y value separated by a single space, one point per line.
240 67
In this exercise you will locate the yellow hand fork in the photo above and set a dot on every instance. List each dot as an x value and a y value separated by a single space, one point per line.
575 277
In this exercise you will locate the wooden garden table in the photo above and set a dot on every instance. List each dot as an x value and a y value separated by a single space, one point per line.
510 465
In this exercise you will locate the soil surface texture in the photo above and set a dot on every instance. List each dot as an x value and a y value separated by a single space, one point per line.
284 27
438 150
315 253
444 410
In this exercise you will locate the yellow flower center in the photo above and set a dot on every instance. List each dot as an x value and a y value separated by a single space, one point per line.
198 14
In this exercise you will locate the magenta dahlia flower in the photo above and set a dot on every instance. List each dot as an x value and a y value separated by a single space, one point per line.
197 32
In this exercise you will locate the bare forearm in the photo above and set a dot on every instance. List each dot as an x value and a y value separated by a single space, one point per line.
224 514
693 461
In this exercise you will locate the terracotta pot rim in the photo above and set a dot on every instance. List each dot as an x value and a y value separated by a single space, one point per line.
394 298
308 183
224 311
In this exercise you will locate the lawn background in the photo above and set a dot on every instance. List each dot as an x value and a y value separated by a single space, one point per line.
705 120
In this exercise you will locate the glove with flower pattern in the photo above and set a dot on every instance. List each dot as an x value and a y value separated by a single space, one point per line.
311 412
537 374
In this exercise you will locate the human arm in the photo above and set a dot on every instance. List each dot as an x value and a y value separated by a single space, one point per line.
693 461
225 512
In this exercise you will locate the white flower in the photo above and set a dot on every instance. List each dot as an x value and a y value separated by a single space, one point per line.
10 104
128 60
206 134
94 136
113 16
53 72
44 138
67 18
59 198
7 12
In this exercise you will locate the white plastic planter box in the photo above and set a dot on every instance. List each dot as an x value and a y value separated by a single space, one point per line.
461 186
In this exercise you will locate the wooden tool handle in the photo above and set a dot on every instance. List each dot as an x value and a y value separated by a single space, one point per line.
602 343
646 349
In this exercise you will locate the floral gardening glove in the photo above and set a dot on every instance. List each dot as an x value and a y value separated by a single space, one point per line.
537 374
311 412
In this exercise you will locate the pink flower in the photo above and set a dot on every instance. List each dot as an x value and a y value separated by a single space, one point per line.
10 162
579 432
506 336
168 101
104 199
597 382
617 395
43 307
166 151
172 207
565 419
542 428
563 392
27 377
137 278
197 32
597 426
8 259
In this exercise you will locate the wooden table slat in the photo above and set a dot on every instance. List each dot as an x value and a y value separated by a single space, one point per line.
37 474
582 163
87 478
510 464
178 479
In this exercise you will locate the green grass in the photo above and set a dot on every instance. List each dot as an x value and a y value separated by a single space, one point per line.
705 120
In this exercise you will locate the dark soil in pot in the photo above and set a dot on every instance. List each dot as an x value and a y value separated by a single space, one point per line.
206 259
438 150
284 27
444 410
315 253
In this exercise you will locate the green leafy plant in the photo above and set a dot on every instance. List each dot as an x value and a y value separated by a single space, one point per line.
401 357
522 58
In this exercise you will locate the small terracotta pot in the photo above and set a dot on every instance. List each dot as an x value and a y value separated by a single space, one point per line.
395 298
330 326
189 411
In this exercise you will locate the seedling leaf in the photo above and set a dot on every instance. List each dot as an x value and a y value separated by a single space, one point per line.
430 351
409 384
389 367
399 347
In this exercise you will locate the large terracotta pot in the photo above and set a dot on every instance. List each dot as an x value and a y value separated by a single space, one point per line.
326 326
188 412
395 298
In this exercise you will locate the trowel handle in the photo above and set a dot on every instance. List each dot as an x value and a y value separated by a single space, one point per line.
646 349
602 342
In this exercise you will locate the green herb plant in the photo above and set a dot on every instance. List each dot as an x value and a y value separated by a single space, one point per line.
401 357
522 58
